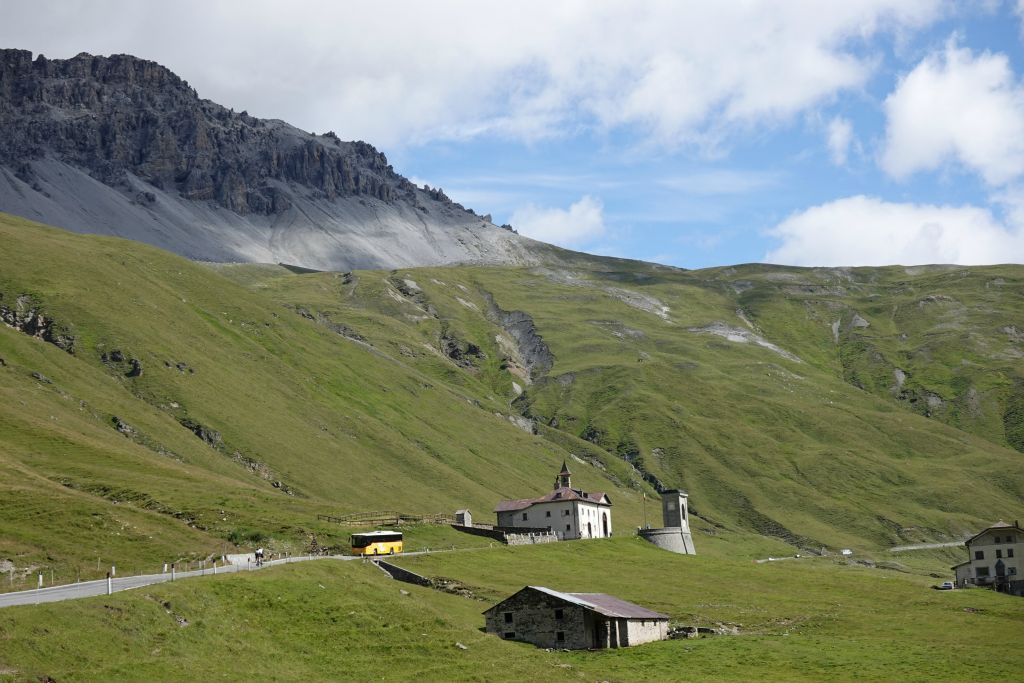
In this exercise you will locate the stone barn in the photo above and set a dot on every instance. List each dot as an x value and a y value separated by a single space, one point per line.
574 621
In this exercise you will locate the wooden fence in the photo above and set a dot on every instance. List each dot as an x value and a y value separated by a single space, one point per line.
386 518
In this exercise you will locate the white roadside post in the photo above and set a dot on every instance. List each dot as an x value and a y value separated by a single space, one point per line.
110 586
40 581
113 570
172 571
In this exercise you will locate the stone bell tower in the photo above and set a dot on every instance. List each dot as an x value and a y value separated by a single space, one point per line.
563 478
674 510
675 535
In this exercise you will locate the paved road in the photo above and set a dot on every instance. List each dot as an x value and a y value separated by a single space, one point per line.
925 546
87 589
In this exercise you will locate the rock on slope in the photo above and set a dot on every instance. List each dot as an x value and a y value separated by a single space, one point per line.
121 146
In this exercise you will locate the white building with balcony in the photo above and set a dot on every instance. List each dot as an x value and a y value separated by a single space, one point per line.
994 559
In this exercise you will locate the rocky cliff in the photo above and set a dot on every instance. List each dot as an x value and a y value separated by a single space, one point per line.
122 146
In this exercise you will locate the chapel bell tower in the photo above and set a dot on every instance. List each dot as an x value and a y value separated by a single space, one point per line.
562 479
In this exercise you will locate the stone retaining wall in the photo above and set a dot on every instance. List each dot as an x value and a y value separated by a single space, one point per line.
510 535
530 539
400 574
671 538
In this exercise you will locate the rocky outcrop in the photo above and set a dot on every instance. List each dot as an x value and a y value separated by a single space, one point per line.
742 336
340 329
118 114
211 437
26 315
519 325
122 426
463 353
122 146
116 360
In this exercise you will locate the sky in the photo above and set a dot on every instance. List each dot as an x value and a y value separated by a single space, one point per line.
861 132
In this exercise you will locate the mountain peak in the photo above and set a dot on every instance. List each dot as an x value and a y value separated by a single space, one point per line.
233 182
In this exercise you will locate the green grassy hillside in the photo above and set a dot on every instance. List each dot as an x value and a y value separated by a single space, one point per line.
944 341
267 396
247 419
807 620
720 382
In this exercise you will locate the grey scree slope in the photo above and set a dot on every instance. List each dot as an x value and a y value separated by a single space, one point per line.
121 146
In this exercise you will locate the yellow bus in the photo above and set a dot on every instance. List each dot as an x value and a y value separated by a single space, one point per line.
377 543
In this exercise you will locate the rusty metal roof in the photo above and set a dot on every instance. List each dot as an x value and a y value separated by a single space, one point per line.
512 505
559 494
604 604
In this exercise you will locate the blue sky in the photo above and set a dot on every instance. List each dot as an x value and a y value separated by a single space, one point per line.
697 134
696 208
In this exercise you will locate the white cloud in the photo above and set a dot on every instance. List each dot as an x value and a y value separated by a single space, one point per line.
865 231
578 225
840 136
957 106
400 72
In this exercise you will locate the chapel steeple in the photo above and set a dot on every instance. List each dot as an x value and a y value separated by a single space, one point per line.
562 480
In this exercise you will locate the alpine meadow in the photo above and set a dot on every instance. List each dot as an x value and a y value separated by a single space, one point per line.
276 406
